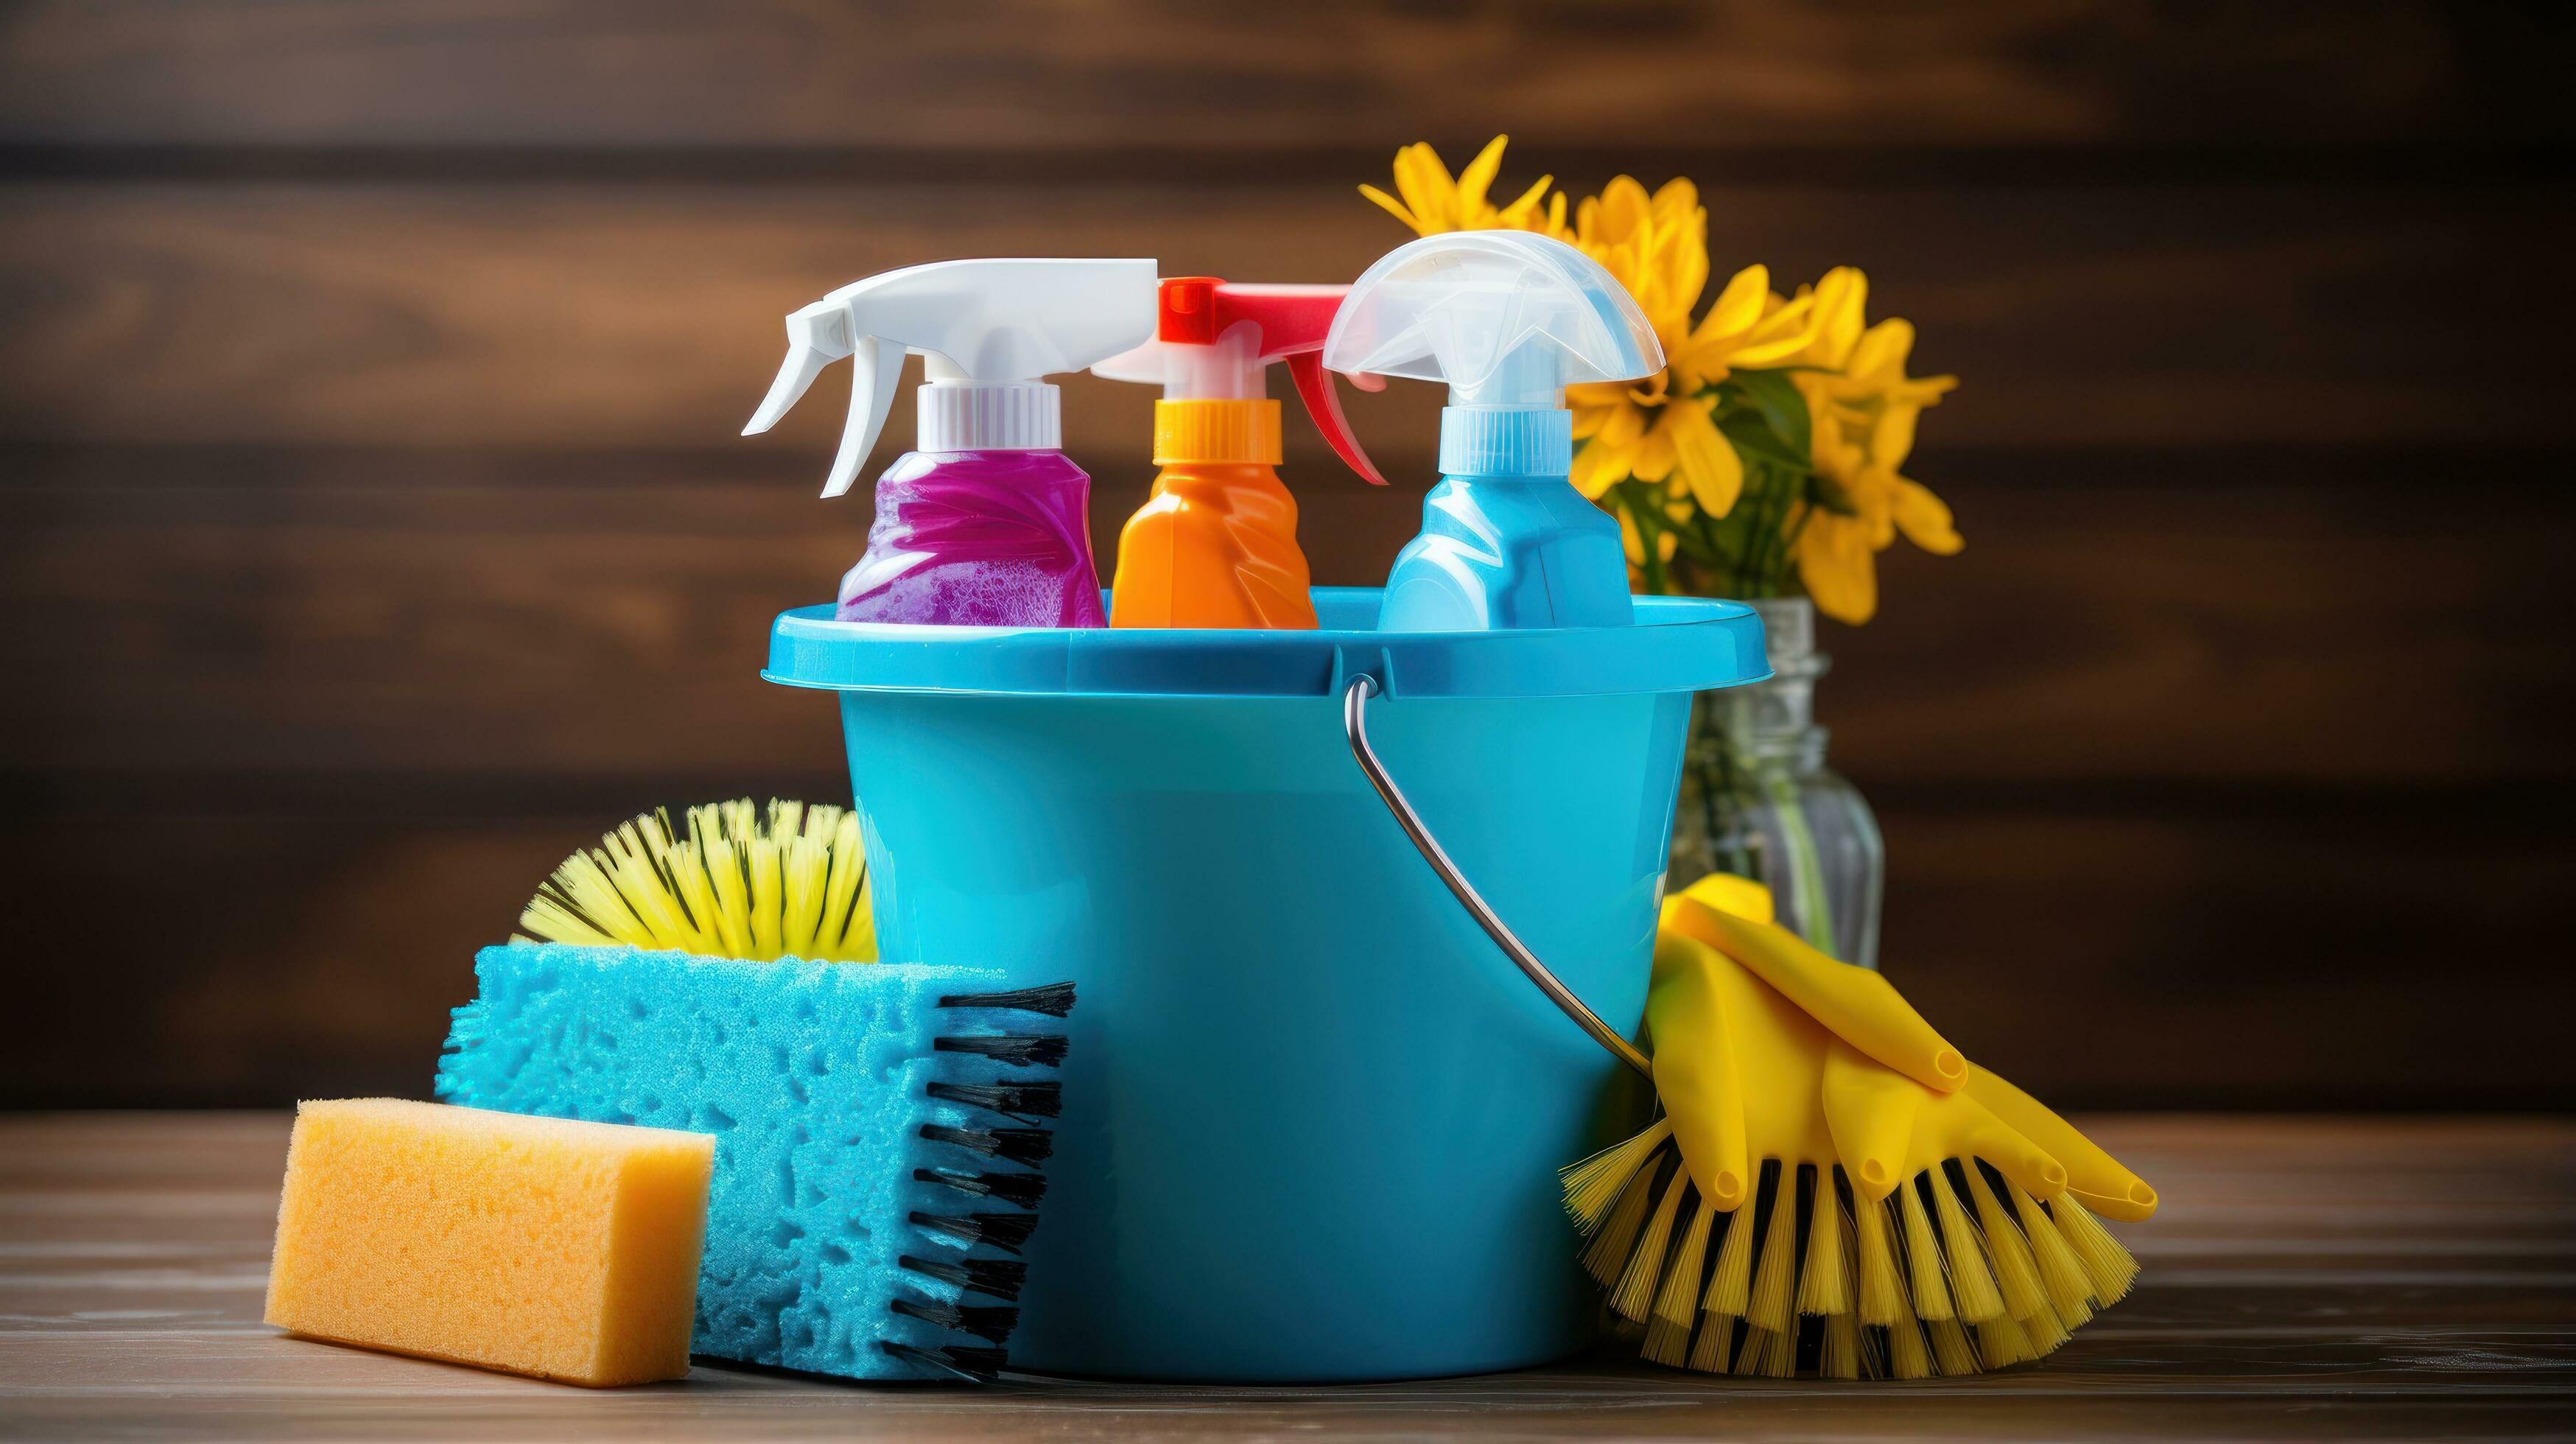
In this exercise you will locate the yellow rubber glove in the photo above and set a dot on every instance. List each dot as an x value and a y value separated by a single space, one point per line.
1814 1098
1737 999
1733 915
1779 1069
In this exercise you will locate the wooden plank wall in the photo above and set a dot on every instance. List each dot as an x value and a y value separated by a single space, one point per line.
373 528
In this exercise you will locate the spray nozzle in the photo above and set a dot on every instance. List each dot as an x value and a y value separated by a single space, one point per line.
990 329
1215 340
1507 318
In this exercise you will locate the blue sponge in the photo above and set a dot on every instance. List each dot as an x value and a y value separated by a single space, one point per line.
878 1128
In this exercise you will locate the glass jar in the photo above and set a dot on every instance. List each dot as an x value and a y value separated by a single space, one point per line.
1758 801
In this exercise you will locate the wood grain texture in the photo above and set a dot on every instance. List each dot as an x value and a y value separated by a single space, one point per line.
2314 1279
2183 796
2281 951
1089 77
373 526
606 315
2237 618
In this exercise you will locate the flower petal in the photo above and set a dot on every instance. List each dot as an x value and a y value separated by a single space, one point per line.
1624 208
1395 208
1522 212
1424 182
1925 519
1478 177
1655 455
1883 349
1587 222
1707 460
1739 306
1625 425
1835 565
1891 440
1599 465
1685 252
1676 198
1840 299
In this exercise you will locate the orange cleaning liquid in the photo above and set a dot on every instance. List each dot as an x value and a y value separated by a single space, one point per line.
1216 544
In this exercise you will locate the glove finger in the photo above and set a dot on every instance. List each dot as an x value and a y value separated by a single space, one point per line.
2012 1153
1696 1073
1855 1004
2093 1176
1870 1110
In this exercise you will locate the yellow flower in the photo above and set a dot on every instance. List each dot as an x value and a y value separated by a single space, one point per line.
1837 303
1872 399
1750 327
1665 542
1433 202
1837 550
1658 430
1853 377
1861 409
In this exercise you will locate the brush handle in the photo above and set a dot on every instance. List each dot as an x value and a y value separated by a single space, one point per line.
1355 724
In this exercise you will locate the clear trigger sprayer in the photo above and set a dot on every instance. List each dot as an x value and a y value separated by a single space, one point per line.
1509 320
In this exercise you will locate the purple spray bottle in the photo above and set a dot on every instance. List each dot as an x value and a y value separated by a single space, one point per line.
988 522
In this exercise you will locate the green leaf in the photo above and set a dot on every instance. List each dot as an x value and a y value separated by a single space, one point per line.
1750 432
1782 407
1830 495
1696 547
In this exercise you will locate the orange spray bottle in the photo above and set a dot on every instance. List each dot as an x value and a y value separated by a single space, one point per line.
1216 544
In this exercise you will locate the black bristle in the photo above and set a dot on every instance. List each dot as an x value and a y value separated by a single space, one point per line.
983 1321
1031 1146
1004 1231
1021 1050
1024 1189
975 1366
998 1278
1054 1000
1011 1100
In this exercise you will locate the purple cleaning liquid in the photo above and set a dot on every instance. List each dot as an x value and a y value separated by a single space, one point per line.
979 539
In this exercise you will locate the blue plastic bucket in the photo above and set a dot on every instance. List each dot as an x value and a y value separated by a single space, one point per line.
1312 1117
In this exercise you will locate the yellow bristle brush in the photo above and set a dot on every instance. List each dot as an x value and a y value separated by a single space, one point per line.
791 882
1832 1187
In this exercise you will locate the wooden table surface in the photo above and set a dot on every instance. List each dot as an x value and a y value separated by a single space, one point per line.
2308 1278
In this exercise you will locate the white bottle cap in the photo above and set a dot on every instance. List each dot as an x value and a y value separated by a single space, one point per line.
989 416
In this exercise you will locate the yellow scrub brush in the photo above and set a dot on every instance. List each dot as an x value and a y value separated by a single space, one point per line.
788 882
1833 1188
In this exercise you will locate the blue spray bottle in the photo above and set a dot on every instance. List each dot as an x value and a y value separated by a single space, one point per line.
1509 320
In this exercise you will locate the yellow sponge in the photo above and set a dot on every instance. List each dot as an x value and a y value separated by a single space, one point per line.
536 1245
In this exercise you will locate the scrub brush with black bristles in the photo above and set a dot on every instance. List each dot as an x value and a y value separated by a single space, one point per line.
743 883
882 1133
1833 1189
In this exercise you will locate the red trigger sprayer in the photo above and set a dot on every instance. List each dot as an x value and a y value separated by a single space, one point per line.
1216 545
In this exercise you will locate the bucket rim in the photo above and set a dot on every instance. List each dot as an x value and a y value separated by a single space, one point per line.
1679 644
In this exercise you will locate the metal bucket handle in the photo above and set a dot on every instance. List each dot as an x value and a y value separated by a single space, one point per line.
1355 725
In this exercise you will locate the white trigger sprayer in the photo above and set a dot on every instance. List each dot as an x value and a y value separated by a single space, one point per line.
984 522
